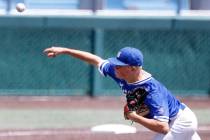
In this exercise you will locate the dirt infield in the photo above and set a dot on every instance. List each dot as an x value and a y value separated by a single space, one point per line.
60 102
78 134
83 102
71 134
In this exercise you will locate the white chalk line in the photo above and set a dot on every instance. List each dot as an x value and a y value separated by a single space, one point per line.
42 132
17 133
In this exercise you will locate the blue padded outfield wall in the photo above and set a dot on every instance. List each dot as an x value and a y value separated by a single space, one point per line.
176 52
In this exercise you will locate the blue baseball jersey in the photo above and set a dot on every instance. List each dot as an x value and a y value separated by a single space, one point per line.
162 104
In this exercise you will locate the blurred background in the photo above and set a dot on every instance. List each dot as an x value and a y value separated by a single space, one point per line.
93 5
174 36
43 98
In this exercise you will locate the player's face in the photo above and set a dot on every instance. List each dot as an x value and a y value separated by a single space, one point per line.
123 72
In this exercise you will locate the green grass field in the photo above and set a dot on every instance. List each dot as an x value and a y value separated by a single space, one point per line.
68 118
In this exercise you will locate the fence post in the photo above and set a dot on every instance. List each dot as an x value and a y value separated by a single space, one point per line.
97 48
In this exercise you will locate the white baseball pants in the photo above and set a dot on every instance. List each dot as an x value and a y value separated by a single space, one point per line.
183 127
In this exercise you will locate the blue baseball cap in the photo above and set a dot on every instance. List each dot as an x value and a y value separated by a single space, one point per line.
127 56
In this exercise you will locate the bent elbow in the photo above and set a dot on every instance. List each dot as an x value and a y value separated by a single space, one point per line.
165 129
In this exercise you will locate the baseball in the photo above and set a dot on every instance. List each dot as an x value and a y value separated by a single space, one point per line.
20 7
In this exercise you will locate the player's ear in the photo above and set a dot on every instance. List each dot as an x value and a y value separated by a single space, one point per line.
133 67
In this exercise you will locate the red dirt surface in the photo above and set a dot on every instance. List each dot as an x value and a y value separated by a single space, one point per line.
53 102
83 102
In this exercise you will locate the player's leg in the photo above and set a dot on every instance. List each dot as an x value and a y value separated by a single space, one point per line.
182 128
175 136
195 136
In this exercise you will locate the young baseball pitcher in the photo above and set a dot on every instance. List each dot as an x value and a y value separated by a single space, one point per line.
149 102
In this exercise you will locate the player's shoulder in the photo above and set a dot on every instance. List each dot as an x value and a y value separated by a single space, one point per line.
103 63
105 68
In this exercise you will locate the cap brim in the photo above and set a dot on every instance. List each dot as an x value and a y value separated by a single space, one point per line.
116 62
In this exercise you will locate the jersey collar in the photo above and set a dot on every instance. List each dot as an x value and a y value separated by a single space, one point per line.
147 76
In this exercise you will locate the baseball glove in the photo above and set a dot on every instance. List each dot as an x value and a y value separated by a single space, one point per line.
135 102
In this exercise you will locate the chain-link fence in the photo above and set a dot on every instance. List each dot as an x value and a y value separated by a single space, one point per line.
178 58
24 68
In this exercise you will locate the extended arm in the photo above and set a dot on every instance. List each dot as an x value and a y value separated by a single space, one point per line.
154 125
82 55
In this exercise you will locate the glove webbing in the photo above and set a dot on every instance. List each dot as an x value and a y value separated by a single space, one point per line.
136 98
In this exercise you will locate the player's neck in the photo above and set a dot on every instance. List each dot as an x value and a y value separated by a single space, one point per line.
142 75
135 77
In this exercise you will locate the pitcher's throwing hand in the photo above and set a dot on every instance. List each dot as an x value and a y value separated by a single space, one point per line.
54 51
